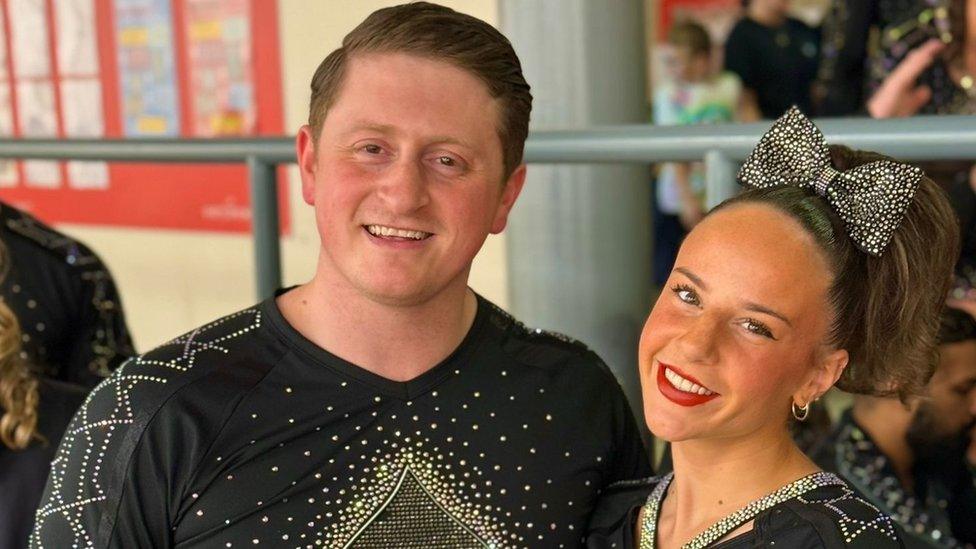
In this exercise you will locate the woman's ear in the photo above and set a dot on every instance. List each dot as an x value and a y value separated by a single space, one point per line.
829 368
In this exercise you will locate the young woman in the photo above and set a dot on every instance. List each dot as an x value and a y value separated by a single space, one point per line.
831 269
33 415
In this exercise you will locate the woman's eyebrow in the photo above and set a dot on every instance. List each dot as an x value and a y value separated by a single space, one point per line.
692 276
750 306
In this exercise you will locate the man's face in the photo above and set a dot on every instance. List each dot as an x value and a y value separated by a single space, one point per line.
406 178
950 409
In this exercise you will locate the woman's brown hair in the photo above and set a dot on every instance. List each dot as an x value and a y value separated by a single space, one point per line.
887 309
18 387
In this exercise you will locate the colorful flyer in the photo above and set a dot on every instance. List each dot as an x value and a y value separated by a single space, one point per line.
147 68
220 67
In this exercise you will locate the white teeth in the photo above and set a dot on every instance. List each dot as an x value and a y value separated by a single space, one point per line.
380 230
683 384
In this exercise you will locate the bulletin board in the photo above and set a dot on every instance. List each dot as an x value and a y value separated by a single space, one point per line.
138 69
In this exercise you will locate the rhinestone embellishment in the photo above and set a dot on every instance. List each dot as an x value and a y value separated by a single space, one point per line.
648 529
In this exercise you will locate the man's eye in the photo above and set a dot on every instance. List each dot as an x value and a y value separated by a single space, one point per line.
446 161
372 149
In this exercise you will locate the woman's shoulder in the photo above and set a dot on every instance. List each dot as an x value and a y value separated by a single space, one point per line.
613 520
838 516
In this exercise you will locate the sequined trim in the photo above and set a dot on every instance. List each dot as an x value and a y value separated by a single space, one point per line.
409 499
850 527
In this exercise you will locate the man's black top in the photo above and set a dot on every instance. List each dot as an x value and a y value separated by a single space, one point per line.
24 472
243 433
937 512
778 64
65 299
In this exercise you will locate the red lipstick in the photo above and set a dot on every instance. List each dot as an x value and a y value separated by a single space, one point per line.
675 395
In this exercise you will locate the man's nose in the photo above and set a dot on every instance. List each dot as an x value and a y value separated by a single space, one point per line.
403 187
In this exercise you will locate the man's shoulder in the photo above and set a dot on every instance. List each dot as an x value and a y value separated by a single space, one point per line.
145 382
535 346
221 342
557 355
179 392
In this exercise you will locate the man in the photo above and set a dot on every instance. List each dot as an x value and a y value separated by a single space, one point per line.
774 55
911 460
64 297
382 404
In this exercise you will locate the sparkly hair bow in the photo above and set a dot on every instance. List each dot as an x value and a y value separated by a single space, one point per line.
871 198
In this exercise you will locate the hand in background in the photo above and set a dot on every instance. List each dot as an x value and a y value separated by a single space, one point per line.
899 94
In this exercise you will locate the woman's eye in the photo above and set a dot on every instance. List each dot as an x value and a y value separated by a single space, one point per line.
758 328
446 161
686 294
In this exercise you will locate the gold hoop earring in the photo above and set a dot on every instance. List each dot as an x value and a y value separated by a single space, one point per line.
800 412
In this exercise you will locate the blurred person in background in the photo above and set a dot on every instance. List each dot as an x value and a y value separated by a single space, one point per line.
694 94
898 58
71 317
864 41
34 413
910 458
775 56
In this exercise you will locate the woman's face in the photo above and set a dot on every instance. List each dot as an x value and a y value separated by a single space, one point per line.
739 330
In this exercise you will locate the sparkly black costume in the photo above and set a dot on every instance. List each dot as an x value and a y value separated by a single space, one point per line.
244 434
65 299
829 516
938 512
853 66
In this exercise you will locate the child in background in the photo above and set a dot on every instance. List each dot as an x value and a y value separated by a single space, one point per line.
695 94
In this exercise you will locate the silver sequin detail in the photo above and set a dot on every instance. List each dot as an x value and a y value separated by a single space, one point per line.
793 490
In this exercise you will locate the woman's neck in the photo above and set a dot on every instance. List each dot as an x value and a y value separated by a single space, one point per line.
714 477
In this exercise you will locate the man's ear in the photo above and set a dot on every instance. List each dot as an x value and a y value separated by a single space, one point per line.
513 187
305 144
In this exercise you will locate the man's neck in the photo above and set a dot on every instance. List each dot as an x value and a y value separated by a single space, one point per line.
765 17
397 342
886 421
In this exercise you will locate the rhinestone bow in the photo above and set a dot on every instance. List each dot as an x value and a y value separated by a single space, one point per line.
871 198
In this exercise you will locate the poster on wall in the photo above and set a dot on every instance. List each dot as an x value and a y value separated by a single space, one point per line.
138 69
221 79
147 68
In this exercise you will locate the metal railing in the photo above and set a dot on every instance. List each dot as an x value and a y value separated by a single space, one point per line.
720 146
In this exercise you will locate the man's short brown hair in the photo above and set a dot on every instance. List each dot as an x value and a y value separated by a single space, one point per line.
441 34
